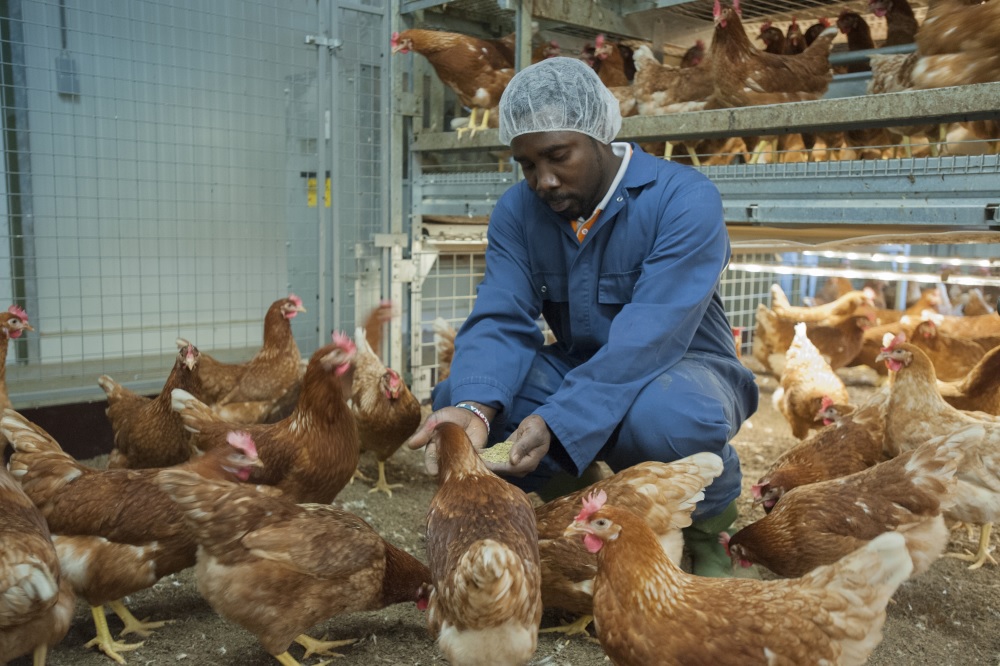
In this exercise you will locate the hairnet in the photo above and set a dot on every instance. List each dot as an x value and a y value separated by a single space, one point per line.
558 95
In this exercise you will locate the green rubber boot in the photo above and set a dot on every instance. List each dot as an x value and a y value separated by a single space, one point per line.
708 556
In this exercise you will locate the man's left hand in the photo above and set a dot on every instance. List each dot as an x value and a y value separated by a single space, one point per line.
531 443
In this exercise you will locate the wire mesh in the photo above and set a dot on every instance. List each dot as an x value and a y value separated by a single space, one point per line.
158 185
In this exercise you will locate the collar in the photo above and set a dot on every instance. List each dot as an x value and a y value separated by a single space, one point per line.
624 151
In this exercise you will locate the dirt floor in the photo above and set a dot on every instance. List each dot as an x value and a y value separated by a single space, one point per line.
947 616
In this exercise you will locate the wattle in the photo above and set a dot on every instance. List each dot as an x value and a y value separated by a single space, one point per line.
592 543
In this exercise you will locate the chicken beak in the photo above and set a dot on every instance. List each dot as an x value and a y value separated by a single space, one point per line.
577 528
27 327
881 357
299 308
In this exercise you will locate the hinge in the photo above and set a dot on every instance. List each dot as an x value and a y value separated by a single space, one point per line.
332 43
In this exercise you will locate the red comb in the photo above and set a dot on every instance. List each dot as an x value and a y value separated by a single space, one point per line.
395 39
295 299
756 490
764 26
344 341
243 441
716 9
599 40
896 341
825 21
18 312
827 402
736 7
592 503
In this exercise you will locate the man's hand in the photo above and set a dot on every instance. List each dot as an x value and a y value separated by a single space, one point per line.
424 436
531 443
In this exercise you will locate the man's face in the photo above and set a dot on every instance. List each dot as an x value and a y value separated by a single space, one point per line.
565 169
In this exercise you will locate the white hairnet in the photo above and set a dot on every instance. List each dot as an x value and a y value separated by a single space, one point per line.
558 95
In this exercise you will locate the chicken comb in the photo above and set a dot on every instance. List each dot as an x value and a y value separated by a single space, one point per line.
295 299
395 39
240 439
736 8
757 490
591 503
717 9
344 341
826 404
764 26
894 342
794 22
599 40
700 43
18 312
826 24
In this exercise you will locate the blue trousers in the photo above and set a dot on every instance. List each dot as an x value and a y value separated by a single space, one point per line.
697 405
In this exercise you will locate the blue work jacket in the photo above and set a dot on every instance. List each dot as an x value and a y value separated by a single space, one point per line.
627 303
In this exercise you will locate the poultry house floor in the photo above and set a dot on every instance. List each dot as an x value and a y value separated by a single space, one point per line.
949 615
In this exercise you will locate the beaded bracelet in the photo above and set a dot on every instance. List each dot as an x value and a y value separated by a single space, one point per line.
478 412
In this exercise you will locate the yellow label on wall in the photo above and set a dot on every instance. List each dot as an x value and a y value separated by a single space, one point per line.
311 193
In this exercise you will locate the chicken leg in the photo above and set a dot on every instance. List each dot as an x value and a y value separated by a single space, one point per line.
103 640
577 627
981 555
382 484
323 647
132 623
471 127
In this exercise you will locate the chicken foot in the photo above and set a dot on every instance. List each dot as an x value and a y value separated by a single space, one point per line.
132 623
577 627
382 484
103 640
358 474
980 557
39 655
471 127
323 647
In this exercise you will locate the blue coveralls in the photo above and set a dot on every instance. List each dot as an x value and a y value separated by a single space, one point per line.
644 367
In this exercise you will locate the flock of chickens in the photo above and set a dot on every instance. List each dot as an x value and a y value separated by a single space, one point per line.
958 43
232 469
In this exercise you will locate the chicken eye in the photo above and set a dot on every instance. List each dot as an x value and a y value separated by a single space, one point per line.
601 522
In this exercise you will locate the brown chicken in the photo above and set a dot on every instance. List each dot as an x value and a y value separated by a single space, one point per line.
384 408
806 379
981 329
979 391
310 455
648 611
773 38
276 568
894 73
840 344
974 304
13 324
775 327
852 444
959 44
661 89
819 523
444 334
36 601
795 41
917 413
953 358
745 76
114 530
695 54
612 62
663 494
901 24
474 68
148 433
266 378
482 545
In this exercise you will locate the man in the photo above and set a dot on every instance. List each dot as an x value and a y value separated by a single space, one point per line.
621 253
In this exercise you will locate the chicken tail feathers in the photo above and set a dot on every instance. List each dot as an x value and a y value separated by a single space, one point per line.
32 447
932 467
111 388
857 588
194 413
486 578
